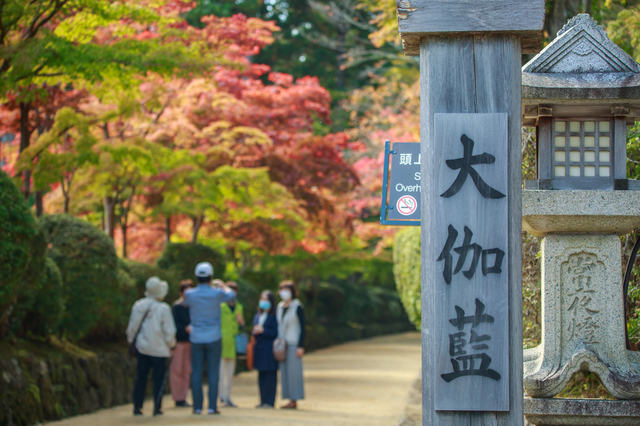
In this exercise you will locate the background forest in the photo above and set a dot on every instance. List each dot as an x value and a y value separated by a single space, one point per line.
140 137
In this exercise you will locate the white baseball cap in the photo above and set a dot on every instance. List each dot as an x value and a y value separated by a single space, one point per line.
204 269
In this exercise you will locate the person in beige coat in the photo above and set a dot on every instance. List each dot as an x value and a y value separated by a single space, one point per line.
152 322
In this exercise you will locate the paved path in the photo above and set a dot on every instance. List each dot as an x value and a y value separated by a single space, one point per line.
360 383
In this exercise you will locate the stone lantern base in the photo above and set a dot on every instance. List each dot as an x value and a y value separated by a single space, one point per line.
583 318
581 412
583 324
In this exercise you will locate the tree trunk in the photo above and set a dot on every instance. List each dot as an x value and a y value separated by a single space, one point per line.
197 223
109 216
39 206
25 136
123 228
340 59
167 228
66 203
560 12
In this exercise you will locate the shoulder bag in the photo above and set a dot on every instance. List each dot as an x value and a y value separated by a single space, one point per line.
250 355
241 343
280 349
133 351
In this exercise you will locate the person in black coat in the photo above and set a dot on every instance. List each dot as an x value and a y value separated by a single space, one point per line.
180 370
265 331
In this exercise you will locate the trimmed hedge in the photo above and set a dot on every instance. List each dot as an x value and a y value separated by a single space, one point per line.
181 259
406 268
17 229
44 305
113 321
88 265
141 272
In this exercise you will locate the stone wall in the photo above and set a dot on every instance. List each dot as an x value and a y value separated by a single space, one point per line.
33 390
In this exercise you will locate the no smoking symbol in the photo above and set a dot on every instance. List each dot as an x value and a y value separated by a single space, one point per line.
407 205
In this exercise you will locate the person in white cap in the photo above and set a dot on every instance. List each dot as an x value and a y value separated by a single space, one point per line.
205 336
152 327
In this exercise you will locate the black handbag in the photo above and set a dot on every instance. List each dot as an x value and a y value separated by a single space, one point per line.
133 351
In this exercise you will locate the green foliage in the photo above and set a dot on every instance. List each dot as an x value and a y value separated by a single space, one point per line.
45 305
633 298
248 295
60 152
16 230
112 324
181 259
624 28
141 272
34 52
406 268
531 291
585 384
89 268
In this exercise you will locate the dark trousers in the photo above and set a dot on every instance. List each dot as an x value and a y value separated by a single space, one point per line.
202 353
267 382
146 363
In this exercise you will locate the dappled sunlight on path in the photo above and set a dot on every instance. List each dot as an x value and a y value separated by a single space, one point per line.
360 383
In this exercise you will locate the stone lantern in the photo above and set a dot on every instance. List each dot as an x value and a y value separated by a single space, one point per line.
581 92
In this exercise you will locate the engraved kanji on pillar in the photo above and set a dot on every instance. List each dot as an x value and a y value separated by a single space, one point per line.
472 368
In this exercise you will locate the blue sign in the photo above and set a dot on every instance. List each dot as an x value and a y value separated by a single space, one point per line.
401 184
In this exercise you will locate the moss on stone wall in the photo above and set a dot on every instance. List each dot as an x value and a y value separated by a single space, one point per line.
60 381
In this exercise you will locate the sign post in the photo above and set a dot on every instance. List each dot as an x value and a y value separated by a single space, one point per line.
470 57
401 186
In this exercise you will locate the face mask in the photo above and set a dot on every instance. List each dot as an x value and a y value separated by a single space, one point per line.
285 294
265 305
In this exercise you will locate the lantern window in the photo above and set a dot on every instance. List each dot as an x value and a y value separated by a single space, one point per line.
582 148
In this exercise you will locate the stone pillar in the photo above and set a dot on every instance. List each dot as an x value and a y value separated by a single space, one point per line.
582 296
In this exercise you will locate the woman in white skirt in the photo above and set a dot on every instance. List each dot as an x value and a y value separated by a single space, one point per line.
290 316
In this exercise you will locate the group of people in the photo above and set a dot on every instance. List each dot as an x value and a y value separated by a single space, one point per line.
200 330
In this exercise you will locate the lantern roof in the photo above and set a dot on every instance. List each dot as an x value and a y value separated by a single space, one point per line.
581 66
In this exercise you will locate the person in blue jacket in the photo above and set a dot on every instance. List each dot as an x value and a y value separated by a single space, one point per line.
265 331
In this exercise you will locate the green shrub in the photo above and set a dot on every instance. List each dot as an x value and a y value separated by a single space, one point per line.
406 269
387 305
44 306
17 228
112 324
248 295
325 301
141 272
88 265
181 260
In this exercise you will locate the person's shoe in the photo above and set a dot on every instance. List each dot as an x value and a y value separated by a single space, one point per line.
212 411
290 406
229 403
265 405
197 411
137 412
157 413
182 404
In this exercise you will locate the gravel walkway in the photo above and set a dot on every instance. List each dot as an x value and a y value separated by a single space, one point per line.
360 383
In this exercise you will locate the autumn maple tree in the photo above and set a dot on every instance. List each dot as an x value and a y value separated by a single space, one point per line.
231 151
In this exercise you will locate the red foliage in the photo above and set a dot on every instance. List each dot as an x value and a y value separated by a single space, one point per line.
44 102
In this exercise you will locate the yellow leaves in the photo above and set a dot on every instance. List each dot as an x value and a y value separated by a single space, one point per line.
227 135
80 28
224 100
385 20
